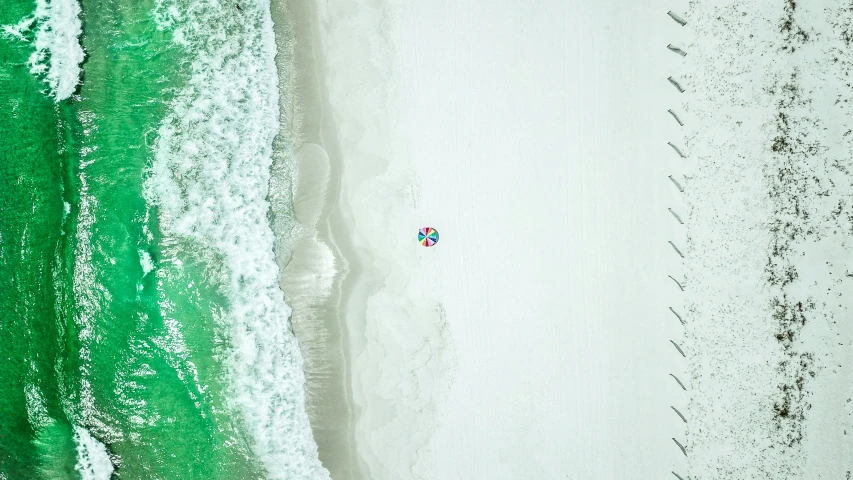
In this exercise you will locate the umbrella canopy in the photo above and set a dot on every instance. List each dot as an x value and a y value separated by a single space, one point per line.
428 236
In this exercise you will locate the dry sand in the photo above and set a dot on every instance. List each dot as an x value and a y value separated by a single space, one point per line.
532 341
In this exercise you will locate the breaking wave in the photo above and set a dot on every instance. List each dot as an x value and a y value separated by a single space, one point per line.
210 178
93 461
55 29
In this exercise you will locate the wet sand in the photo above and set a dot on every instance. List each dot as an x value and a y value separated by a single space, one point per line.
313 268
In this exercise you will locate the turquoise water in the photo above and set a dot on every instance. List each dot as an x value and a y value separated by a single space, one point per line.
144 332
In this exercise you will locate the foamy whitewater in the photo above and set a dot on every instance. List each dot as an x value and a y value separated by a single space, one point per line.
210 178
58 53
93 461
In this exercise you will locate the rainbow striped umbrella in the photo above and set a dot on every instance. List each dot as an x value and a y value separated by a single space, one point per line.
428 236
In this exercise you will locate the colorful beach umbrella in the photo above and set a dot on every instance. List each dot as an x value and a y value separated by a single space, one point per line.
427 236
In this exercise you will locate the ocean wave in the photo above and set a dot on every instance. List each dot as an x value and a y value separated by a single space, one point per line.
58 53
36 409
210 178
93 461
84 274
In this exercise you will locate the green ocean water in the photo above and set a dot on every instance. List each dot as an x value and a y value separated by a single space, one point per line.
110 323
31 179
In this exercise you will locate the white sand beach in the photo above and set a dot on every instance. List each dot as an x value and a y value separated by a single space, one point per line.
533 340
542 337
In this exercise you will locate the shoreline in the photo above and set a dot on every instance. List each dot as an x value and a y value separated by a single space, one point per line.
394 336
311 245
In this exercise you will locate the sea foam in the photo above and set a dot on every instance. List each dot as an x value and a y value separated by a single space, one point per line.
210 178
58 53
93 461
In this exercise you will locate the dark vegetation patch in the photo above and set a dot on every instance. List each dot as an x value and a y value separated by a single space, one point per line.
790 405
843 26
847 37
786 190
793 187
789 318
790 177
793 34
